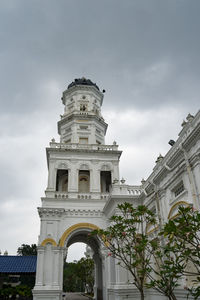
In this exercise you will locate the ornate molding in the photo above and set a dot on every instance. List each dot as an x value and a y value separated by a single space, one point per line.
49 241
50 212
84 212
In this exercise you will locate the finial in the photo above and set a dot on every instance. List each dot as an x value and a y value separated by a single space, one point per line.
143 181
159 158
6 253
189 117
114 143
183 123
123 180
115 181
53 140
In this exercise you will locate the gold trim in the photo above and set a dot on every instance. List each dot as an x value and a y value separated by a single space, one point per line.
174 206
73 228
50 241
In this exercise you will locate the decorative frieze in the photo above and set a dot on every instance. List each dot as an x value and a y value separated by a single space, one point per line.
50 212
84 212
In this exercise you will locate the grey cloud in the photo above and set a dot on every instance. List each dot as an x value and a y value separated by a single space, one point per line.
145 53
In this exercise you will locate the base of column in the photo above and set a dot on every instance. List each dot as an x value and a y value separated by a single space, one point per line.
47 294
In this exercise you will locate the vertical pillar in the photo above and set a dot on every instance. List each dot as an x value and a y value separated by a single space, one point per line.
73 180
115 172
51 176
40 265
56 265
98 277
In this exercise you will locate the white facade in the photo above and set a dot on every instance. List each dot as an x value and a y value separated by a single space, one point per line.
84 190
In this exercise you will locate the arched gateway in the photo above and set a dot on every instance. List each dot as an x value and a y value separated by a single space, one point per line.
81 169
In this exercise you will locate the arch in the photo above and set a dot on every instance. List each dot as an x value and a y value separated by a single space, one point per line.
105 167
84 167
73 228
49 241
174 206
62 166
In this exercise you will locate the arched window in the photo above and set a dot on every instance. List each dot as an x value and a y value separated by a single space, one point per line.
84 181
62 181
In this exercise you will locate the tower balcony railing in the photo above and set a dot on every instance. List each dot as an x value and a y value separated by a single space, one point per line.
81 196
126 190
76 146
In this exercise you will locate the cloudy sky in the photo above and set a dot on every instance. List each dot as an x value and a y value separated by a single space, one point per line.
144 53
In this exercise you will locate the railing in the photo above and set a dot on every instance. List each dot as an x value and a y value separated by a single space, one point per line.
124 189
132 190
85 196
75 146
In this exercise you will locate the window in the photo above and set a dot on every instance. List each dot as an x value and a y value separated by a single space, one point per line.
105 181
83 107
83 127
98 131
83 140
68 130
84 181
62 181
178 189
68 141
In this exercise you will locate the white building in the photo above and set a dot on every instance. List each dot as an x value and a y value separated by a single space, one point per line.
84 190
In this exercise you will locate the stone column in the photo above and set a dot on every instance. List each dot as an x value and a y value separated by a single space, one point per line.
56 265
73 179
40 266
98 277
51 177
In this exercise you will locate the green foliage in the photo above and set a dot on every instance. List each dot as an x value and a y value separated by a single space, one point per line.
86 272
71 280
21 290
183 234
79 275
26 250
127 241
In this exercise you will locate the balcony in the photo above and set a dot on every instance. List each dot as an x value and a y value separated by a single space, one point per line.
76 146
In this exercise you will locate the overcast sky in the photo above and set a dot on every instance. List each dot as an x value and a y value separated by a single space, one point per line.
144 53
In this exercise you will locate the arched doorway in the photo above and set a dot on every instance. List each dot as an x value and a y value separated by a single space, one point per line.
81 233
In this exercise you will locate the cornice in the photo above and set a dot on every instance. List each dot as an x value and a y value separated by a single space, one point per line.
61 212
50 212
175 156
84 212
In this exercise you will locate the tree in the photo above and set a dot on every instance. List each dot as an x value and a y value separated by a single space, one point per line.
153 262
183 233
166 268
26 250
127 241
71 280
86 272
78 275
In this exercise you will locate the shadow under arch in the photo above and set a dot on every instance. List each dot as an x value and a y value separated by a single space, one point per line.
79 233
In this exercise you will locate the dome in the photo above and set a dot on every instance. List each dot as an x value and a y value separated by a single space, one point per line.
82 81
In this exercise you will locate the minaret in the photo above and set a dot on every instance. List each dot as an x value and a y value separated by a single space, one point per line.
81 162
82 121
81 172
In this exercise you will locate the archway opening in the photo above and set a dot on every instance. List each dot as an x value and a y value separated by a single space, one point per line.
78 272
92 252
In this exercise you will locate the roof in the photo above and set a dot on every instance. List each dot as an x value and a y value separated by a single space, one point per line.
18 264
82 81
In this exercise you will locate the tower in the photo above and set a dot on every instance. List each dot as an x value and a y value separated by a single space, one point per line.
81 169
